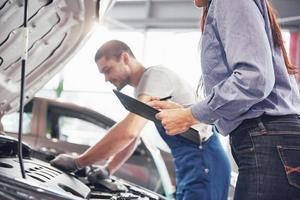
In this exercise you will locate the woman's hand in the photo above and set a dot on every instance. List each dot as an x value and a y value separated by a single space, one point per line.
176 120
160 105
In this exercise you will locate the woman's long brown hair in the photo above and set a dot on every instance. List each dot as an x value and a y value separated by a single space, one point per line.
277 36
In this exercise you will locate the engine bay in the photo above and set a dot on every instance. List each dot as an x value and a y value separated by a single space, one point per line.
46 182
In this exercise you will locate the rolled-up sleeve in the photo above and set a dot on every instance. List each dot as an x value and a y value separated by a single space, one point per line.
241 30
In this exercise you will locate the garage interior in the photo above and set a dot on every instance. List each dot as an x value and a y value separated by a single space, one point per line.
75 95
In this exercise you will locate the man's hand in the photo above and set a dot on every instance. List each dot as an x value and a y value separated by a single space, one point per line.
65 163
98 174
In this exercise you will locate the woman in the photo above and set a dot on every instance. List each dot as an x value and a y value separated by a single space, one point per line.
251 95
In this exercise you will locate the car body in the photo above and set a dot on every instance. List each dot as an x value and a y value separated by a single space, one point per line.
55 30
54 126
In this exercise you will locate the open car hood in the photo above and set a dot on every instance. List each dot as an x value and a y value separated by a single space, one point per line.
57 28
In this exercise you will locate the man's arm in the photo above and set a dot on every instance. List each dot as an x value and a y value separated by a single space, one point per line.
113 164
119 137
120 158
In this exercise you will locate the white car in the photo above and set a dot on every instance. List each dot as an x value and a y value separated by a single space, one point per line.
55 31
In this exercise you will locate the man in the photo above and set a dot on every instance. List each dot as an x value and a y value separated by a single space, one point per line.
201 173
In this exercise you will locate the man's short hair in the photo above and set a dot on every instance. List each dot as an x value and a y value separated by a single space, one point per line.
113 50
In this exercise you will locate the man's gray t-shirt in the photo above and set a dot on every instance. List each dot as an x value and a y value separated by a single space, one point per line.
161 82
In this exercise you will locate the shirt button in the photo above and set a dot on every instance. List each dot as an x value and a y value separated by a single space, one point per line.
200 147
206 170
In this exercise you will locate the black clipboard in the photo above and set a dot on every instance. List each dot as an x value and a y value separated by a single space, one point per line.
137 107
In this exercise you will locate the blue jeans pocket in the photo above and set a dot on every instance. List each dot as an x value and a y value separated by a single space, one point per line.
290 158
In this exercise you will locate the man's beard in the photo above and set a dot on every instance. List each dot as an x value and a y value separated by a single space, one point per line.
123 84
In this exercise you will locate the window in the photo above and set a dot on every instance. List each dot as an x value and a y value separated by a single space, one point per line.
79 131
11 122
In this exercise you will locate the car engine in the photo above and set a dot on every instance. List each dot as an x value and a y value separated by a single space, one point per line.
46 182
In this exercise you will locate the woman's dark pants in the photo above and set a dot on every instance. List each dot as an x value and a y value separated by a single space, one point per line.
267 152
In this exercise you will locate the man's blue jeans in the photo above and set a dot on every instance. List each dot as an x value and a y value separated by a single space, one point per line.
202 173
267 152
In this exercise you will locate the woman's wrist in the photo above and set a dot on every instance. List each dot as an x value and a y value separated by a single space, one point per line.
191 119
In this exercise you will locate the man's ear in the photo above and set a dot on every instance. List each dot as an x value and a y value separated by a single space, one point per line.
125 57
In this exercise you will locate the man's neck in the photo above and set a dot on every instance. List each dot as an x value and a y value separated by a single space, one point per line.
136 74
